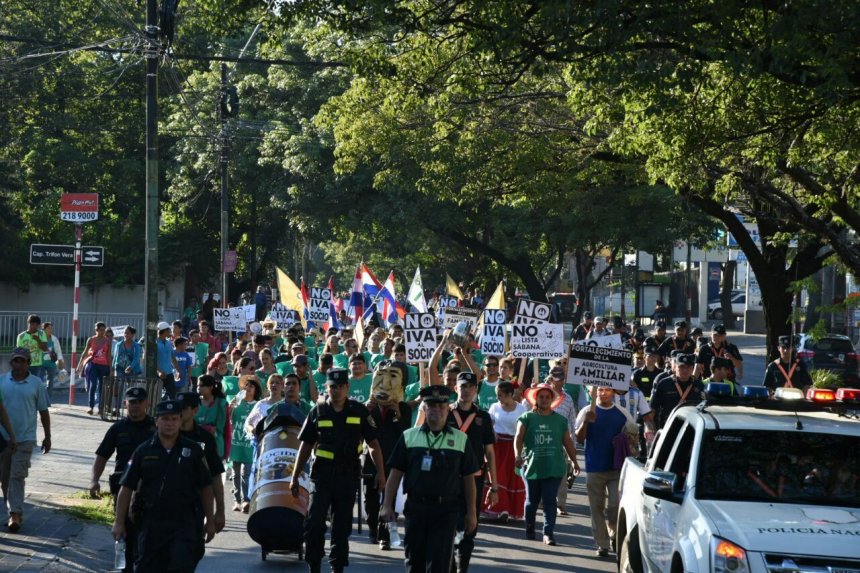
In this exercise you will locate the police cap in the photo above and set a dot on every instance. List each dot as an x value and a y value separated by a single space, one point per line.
466 378
435 394
684 359
785 341
650 349
188 399
168 407
718 329
136 393
681 324
720 362
337 376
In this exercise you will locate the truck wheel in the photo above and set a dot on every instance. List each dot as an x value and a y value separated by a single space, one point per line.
630 558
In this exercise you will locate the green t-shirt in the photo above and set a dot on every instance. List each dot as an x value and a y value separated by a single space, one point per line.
359 388
376 359
286 367
230 385
240 444
543 451
573 391
31 343
201 354
319 381
342 360
487 394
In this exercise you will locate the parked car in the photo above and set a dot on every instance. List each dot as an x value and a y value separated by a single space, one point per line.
739 302
831 352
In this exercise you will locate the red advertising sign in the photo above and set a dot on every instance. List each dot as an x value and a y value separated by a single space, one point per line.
79 207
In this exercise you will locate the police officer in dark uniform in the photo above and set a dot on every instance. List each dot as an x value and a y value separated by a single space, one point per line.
719 347
787 370
437 466
391 421
123 437
170 479
478 427
680 388
334 430
192 430
680 341
644 378
657 339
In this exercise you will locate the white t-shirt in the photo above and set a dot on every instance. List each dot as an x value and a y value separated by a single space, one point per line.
506 422
257 413
635 403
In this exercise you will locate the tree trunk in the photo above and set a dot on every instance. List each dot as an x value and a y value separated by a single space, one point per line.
729 318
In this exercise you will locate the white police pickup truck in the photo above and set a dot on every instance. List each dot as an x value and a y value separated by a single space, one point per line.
747 486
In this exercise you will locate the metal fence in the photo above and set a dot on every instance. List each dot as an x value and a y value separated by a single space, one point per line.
13 323
112 398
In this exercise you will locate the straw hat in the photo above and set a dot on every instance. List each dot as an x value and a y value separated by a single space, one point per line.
531 394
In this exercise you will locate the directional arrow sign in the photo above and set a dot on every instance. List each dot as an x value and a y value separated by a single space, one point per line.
65 255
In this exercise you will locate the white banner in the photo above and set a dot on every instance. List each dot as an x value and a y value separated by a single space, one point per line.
537 340
455 315
600 366
229 318
283 316
250 312
493 333
318 305
419 332
532 312
609 341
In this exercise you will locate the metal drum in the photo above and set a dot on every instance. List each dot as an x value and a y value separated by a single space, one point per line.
276 517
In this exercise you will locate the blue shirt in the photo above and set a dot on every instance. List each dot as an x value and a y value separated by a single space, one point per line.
165 354
184 360
22 400
599 453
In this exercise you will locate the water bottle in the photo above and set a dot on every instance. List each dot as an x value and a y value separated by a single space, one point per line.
119 555
393 534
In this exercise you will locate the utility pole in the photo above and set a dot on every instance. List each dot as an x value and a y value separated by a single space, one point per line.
152 216
225 197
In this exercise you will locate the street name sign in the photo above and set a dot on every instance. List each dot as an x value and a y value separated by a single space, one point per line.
65 255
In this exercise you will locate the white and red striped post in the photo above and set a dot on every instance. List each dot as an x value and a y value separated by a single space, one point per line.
79 231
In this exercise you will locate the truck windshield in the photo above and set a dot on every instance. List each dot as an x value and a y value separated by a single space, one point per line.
780 467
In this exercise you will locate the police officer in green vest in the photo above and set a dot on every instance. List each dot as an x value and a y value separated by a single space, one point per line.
334 431
437 466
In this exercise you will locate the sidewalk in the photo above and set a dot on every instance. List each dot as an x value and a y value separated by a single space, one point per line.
51 540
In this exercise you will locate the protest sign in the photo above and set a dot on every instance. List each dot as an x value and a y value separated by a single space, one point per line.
493 333
537 340
455 315
250 311
229 318
448 301
419 332
318 305
611 341
283 316
599 366
532 312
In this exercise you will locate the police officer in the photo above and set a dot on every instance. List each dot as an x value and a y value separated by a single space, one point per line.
171 481
787 370
123 437
643 378
437 466
583 328
190 429
478 427
657 339
334 430
680 388
719 347
680 341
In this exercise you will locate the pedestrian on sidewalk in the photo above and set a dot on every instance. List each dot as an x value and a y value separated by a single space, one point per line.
23 396
171 481
97 352
124 437
35 340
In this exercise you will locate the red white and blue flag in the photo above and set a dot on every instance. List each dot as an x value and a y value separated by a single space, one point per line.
333 322
392 312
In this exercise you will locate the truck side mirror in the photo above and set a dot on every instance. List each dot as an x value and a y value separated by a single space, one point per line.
662 485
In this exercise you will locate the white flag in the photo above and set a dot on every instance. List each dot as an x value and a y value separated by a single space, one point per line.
416 293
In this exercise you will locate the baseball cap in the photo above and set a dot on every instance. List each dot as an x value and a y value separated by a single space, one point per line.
681 324
168 407
435 394
467 378
136 393
599 319
20 352
300 360
586 314
162 326
718 329
337 376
